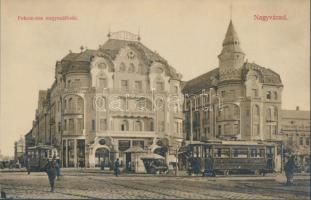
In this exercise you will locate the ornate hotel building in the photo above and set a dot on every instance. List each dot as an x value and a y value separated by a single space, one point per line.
237 100
105 101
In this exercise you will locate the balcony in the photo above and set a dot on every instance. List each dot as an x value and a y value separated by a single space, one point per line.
70 90
135 92
132 113
73 111
128 133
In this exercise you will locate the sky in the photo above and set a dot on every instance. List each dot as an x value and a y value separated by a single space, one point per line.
188 33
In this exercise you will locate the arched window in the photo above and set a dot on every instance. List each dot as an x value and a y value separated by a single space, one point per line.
236 110
65 104
80 104
256 111
102 82
131 68
138 126
275 94
275 114
226 112
124 125
122 67
151 126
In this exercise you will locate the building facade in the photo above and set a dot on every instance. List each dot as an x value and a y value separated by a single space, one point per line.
237 100
105 101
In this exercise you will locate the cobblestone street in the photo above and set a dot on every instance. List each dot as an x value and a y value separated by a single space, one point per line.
96 185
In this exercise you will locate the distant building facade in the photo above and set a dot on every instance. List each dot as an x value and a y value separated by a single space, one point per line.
236 100
295 132
105 101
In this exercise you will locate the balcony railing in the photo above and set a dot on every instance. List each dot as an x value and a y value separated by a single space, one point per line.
228 118
132 113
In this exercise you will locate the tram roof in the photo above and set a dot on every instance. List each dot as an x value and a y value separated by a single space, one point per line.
233 142
41 147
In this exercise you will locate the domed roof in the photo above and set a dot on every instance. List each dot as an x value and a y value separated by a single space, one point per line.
110 49
266 76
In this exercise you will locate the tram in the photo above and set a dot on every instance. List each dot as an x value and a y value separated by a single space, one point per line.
224 157
38 156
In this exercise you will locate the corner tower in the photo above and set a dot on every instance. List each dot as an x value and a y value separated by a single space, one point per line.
231 57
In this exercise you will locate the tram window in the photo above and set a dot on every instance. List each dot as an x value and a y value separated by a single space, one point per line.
222 153
257 153
240 153
225 153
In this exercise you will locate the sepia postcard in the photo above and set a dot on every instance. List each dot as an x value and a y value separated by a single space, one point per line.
155 99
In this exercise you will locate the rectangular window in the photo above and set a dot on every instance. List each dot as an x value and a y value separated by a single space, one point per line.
268 95
176 127
254 93
227 129
124 144
59 126
301 141
103 124
175 89
138 86
93 125
159 86
65 124
307 141
236 129
124 85
80 124
223 93
256 129
71 125
290 140
219 130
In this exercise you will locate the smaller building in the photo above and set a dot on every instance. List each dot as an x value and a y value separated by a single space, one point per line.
29 141
19 151
295 132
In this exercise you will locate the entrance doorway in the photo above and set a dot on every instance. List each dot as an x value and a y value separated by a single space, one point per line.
103 158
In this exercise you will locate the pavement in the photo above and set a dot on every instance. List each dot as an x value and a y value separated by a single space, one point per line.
77 184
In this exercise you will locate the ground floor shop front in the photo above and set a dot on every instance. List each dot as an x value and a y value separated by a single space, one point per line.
103 151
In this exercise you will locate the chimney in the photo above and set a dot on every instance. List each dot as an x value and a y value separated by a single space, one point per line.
297 108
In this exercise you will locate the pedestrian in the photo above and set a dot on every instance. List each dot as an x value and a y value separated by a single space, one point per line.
28 165
116 167
289 169
196 167
3 194
51 172
81 163
57 167
270 162
129 166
